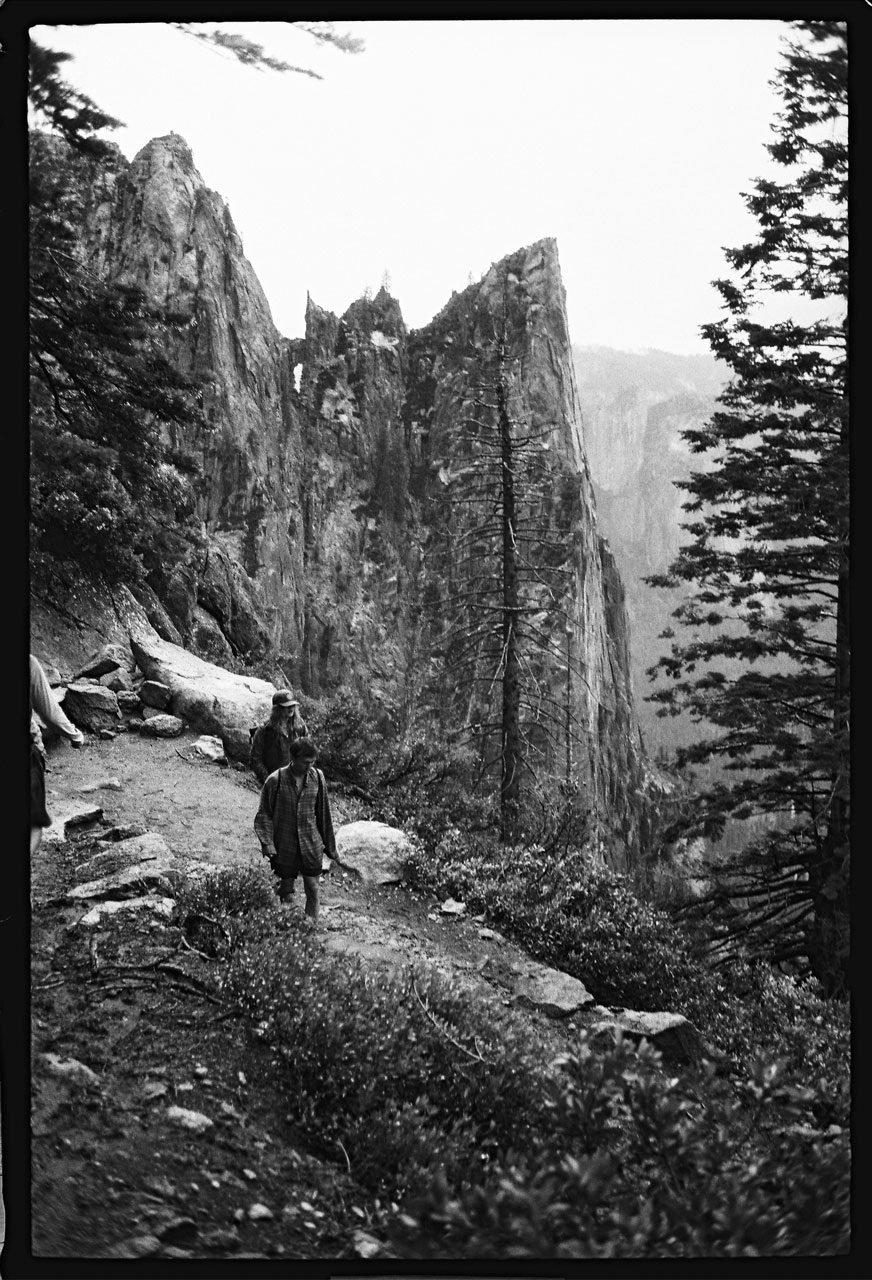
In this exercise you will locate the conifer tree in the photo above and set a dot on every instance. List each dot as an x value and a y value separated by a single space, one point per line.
769 551
108 494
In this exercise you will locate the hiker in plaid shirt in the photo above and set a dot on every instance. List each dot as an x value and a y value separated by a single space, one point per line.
294 824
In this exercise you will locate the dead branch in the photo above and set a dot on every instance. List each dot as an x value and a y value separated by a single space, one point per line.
476 1057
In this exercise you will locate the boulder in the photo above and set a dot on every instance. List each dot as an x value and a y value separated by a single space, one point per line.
155 694
373 850
110 658
91 707
552 991
119 681
162 726
671 1033
213 700
128 701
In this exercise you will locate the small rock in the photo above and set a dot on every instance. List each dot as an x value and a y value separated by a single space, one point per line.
155 694
105 784
486 933
160 906
160 1186
365 1245
70 1069
250 1174
177 1229
210 747
200 1070
260 1212
162 726
106 735
154 1090
91 707
128 700
193 1120
136 1247
124 833
227 1110
119 681
451 907
239 1214
221 1239
69 814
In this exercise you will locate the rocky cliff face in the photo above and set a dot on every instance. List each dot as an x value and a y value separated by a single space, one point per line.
320 489
635 406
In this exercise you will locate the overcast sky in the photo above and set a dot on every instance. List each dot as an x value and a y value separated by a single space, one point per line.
444 146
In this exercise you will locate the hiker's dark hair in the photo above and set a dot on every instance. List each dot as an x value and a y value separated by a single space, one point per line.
304 747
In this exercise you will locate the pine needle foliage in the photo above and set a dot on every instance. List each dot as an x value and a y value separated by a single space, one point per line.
769 551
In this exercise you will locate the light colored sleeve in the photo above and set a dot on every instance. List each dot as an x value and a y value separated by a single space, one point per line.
45 704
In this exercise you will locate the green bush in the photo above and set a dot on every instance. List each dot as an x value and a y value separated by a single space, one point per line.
688 1177
218 911
392 1069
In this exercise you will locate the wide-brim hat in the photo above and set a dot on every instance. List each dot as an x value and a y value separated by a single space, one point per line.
284 698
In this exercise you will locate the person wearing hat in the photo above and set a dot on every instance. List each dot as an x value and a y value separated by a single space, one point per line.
270 744
294 825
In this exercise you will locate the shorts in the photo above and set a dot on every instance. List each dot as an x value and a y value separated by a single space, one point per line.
38 815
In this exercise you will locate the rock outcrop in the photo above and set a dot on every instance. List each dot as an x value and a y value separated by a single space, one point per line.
323 497
635 406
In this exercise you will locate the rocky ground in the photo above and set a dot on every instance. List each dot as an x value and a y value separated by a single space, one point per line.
157 1127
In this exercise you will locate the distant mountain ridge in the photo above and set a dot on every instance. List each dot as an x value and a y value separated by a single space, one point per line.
635 405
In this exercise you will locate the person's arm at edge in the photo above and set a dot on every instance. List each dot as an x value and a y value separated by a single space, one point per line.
255 757
324 818
263 819
46 705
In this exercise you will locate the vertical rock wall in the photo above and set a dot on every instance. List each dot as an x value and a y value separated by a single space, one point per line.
320 495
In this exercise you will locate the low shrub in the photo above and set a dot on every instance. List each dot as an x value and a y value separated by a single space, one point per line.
691 1177
221 909
397 1071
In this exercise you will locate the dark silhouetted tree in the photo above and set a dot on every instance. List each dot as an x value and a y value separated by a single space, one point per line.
769 552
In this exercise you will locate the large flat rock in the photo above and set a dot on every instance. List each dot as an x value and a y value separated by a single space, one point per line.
373 850
213 700
150 859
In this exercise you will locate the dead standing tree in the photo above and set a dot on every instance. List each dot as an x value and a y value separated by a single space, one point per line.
506 580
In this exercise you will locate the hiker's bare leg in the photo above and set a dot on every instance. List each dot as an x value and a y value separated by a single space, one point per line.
286 889
310 884
35 839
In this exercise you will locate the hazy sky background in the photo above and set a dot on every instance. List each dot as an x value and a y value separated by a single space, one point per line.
444 146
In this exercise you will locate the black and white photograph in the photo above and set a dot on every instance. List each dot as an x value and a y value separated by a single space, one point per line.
438 547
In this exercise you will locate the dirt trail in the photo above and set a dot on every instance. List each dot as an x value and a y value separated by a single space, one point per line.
111 1175
205 812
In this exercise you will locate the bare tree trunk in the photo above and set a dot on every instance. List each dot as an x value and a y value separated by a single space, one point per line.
510 781
829 941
